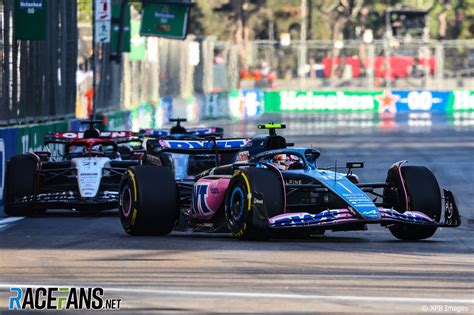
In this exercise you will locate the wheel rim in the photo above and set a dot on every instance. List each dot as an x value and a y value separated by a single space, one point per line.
126 201
237 203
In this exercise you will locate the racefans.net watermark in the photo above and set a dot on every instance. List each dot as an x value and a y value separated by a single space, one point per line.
61 298
445 308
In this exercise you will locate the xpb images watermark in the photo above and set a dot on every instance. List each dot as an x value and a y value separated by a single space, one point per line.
445 308
61 298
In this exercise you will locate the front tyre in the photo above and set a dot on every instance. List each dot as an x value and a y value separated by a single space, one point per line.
149 200
248 189
419 189
20 177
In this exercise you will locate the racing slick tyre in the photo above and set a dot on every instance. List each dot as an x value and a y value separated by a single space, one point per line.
20 182
149 200
249 189
423 196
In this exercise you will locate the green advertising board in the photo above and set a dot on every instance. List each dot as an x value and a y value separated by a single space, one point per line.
164 20
31 137
116 28
461 100
30 19
326 101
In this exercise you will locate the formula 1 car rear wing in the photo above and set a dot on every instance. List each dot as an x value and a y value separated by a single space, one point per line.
200 132
116 136
191 147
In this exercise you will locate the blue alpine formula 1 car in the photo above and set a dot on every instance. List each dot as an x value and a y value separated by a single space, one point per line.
271 188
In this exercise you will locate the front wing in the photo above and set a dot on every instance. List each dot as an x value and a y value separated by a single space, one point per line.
334 217
70 199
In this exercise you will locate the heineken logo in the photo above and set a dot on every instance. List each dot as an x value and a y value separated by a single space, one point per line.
34 4
297 101
167 16
387 102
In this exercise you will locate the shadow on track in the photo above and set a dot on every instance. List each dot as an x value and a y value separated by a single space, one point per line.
104 232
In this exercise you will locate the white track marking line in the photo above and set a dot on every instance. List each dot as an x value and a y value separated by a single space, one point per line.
11 220
7 223
291 296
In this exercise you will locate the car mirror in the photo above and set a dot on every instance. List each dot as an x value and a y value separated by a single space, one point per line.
312 155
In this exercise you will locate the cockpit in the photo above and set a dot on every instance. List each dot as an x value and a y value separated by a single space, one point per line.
81 149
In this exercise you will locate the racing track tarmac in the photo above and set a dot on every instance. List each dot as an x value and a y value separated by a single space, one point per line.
342 272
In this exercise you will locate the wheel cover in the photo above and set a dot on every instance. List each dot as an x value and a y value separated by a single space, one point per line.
126 201
237 203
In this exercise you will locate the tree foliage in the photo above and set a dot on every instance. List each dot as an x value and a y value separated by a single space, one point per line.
241 20
330 19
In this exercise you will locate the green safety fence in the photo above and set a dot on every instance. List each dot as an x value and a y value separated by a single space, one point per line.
31 137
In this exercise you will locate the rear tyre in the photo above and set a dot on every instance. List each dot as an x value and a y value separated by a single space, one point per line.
248 189
149 200
20 179
423 196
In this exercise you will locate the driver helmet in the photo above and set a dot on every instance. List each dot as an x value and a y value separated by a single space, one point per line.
97 148
283 161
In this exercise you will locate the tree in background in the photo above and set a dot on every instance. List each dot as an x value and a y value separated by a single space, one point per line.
242 20
240 12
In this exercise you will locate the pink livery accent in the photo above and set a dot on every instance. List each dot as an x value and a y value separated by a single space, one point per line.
208 197
400 165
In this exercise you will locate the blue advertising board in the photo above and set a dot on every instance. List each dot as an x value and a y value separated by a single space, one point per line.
247 103
253 100
422 100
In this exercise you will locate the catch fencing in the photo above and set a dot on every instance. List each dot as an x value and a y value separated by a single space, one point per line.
357 65
200 65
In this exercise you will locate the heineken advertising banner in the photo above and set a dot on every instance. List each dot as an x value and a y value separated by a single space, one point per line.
386 101
305 101
461 101
30 18
433 101
165 20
